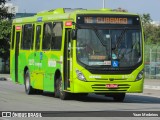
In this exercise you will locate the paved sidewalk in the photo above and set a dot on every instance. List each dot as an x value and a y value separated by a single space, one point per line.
153 84
4 77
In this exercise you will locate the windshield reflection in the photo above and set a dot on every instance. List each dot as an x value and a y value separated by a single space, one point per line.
108 45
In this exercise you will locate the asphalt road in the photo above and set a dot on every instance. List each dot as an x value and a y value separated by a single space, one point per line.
13 98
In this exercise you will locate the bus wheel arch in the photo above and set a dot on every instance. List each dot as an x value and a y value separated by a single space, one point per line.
28 88
58 91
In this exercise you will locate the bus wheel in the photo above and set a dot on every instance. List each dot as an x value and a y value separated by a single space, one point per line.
119 97
28 87
59 91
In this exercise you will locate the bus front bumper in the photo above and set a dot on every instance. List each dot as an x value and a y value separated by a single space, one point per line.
103 87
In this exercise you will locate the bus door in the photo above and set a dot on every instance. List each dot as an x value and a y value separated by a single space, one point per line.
37 58
67 58
17 53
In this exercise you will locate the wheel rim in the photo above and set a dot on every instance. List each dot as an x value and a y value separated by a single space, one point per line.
27 83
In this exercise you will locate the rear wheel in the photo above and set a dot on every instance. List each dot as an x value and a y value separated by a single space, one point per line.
28 87
119 97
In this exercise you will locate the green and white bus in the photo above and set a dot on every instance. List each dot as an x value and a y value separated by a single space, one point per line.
78 51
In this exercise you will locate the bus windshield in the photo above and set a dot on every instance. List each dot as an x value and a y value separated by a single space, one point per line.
102 47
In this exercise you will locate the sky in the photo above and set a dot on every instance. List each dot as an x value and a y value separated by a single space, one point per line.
135 6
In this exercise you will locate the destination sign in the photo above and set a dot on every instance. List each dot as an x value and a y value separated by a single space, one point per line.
124 20
106 20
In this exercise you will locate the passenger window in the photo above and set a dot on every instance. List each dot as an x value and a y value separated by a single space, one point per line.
38 34
27 37
47 36
57 36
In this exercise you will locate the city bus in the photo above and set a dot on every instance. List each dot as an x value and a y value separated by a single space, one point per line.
78 52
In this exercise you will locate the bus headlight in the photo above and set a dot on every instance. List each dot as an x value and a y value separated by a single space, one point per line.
140 75
80 75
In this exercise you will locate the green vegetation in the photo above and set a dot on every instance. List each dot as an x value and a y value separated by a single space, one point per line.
5 30
152 47
151 31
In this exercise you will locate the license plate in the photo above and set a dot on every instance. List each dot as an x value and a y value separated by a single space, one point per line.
112 86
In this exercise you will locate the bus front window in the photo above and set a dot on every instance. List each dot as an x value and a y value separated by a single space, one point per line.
102 46
90 49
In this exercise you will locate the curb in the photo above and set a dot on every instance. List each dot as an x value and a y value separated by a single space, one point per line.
3 79
151 87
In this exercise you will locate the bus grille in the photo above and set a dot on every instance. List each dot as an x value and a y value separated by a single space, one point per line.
103 88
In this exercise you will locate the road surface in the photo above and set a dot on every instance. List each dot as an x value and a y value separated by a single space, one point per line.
13 98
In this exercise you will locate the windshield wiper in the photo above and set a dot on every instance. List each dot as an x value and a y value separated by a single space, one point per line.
98 34
120 38
95 30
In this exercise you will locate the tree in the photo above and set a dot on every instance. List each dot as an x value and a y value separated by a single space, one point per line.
151 31
146 19
3 10
5 30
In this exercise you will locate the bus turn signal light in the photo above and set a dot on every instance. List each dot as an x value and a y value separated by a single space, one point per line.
68 23
18 27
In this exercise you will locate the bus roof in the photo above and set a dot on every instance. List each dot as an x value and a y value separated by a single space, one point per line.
65 14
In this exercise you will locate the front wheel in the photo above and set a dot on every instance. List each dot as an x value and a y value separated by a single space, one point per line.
28 88
59 91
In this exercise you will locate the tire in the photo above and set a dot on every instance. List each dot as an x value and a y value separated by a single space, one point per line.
28 88
56 89
119 97
59 91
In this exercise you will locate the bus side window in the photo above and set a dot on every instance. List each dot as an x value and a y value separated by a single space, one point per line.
38 34
47 36
13 34
27 37
56 36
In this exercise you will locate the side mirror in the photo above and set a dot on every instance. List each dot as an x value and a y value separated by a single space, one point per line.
74 34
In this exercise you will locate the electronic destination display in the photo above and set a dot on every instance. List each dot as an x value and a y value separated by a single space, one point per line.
104 19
